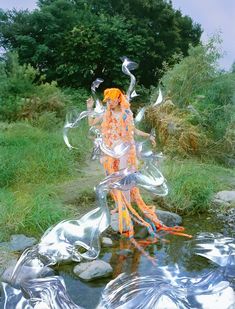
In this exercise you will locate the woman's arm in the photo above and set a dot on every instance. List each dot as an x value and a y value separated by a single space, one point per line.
141 133
144 134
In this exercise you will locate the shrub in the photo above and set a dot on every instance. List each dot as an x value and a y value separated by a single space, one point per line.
23 95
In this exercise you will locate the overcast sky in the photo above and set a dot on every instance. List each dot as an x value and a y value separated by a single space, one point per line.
213 15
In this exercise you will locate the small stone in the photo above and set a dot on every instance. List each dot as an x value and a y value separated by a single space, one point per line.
21 242
93 270
107 242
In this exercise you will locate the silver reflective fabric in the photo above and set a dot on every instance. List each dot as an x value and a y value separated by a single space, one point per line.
99 108
140 115
127 66
159 98
217 248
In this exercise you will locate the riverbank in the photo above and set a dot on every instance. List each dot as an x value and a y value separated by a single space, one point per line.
42 182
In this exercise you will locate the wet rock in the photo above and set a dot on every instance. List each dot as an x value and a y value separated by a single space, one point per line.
93 270
107 242
7 259
169 218
225 198
7 273
19 242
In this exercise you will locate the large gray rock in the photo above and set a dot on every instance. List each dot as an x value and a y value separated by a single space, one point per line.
93 270
20 242
224 198
169 218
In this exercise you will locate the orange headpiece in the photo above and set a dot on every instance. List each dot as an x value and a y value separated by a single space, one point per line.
115 93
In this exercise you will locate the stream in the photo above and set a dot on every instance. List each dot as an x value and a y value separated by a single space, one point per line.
124 258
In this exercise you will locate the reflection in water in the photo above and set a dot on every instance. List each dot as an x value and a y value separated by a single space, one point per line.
173 286
217 248
168 285
125 259
169 288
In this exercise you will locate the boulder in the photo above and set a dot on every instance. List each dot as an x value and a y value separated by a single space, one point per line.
225 198
19 242
169 218
89 271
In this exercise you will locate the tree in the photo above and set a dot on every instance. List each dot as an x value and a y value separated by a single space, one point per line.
72 41
233 67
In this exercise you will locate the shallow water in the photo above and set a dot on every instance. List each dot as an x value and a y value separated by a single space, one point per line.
125 258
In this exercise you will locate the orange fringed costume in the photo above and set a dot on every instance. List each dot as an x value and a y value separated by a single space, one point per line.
118 127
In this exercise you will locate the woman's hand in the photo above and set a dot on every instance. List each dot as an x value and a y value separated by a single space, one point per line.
89 103
152 140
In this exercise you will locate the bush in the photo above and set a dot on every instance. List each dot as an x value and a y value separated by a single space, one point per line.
187 78
21 97
199 107
76 98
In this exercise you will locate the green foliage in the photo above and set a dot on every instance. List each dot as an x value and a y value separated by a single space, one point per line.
202 105
217 108
74 41
193 183
76 98
192 74
21 97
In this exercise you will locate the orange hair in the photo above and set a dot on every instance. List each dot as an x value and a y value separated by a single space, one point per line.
115 93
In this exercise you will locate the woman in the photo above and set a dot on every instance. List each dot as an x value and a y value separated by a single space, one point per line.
117 126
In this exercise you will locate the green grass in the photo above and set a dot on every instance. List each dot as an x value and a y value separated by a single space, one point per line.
35 162
30 213
192 184
32 162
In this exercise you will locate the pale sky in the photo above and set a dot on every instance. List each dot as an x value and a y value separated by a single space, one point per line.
213 15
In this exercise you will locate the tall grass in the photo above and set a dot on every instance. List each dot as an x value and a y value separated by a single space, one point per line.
32 162
30 213
192 184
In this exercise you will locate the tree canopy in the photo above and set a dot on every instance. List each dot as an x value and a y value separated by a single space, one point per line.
74 41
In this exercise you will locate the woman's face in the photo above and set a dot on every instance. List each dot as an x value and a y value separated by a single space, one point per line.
113 103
